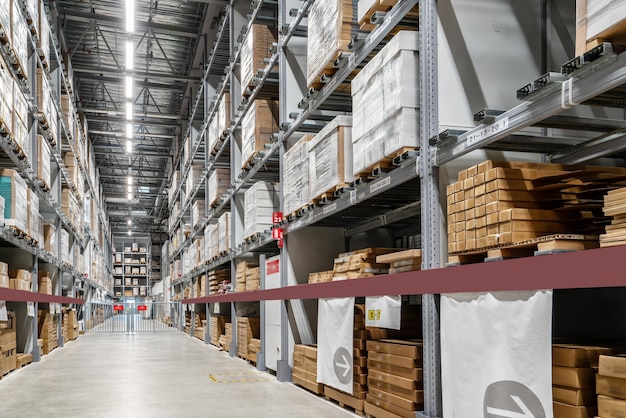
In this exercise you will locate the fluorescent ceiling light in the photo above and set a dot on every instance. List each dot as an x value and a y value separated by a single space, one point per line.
130 180
130 189
130 222
129 87
129 110
129 130
129 146
130 16
130 233
130 55
130 196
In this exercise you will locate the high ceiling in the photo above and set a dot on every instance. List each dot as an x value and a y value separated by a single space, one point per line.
166 38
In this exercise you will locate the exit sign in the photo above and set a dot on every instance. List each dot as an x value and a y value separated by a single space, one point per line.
118 307
142 308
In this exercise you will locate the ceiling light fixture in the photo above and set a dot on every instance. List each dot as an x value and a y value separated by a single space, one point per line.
130 189
130 196
129 130
130 233
130 222
129 87
130 16
129 146
130 180
130 55
129 111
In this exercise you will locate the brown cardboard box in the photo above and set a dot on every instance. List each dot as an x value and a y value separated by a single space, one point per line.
410 349
395 400
390 359
4 281
611 386
4 269
612 366
21 274
573 396
19 284
562 410
9 357
570 355
8 329
573 377
380 409
611 408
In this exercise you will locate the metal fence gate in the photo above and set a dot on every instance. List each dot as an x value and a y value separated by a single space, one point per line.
131 317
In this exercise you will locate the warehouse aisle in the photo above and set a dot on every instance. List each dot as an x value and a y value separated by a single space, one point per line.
151 375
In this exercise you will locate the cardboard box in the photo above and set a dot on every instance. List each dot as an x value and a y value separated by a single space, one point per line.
611 386
573 377
257 127
380 409
611 408
19 284
562 410
410 349
8 330
4 269
21 274
4 281
612 366
573 396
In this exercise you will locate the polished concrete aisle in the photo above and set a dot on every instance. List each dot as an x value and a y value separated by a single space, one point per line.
156 375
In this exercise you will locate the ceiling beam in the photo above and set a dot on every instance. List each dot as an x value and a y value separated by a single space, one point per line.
112 72
120 113
120 79
122 119
119 22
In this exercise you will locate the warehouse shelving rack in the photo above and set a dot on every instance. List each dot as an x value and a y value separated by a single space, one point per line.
71 284
584 80
124 248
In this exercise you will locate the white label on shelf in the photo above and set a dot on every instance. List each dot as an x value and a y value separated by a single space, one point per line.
330 208
488 131
383 311
30 309
297 224
3 311
380 184
335 343
353 197
52 308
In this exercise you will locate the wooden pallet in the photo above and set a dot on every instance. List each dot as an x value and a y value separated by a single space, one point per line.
345 401
250 162
329 194
549 244
329 69
315 388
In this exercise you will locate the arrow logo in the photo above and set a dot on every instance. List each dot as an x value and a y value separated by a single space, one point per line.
345 365
512 414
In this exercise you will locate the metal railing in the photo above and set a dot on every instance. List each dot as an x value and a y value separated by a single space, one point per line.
133 317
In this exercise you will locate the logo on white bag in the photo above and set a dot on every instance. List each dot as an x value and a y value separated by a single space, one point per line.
509 399
342 362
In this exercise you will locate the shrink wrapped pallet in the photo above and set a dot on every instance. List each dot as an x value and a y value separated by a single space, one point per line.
65 247
19 36
173 186
257 127
15 193
598 21
44 96
219 180
43 161
220 122
5 18
198 212
385 101
260 201
43 40
296 187
330 30
33 215
214 241
330 157
20 119
50 238
194 176
254 50
6 99
223 226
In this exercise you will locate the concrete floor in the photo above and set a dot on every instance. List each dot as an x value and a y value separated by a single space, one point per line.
151 375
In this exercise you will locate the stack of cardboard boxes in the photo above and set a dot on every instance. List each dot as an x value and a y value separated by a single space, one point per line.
402 261
243 269
8 344
215 278
48 331
360 263
218 327
20 280
45 282
4 275
247 329
611 387
305 368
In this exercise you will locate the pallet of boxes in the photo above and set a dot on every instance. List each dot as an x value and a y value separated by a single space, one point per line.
574 379
247 271
611 386
218 328
226 339
70 324
304 371
248 328
48 331
8 344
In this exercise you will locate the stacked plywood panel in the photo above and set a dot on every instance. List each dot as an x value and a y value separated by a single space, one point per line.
611 387
247 329
615 207
305 368
253 279
360 263
216 277
395 381
321 276
254 347
574 379
402 261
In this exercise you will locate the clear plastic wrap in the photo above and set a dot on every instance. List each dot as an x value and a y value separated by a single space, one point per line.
219 180
253 50
329 33
296 186
43 160
194 176
214 244
15 192
223 226
33 215
330 157
260 201
385 104
43 44
19 35
65 246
